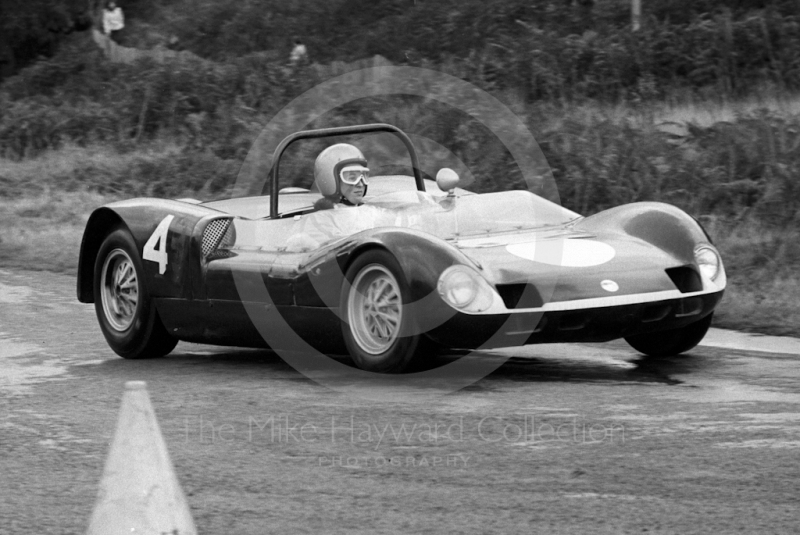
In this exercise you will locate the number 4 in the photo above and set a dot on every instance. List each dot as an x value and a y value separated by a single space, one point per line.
155 249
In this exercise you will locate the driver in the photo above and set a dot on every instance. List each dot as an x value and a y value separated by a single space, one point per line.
341 175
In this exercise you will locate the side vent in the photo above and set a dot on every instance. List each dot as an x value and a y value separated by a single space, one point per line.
520 296
685 278
215 233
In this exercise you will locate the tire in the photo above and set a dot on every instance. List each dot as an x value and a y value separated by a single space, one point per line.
126 313
671 342
379 333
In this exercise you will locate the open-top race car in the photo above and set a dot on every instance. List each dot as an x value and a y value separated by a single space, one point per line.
417 265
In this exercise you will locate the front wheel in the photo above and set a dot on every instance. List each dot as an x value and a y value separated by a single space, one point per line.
379 333
126 313
671 342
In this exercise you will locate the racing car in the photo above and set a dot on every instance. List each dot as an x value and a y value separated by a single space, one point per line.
419 264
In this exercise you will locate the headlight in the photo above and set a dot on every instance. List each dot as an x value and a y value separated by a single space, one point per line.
708 261
464 289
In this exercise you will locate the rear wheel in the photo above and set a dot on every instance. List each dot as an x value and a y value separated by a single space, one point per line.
126 313
379 333
671 342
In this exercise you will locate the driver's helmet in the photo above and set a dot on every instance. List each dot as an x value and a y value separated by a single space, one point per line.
337 163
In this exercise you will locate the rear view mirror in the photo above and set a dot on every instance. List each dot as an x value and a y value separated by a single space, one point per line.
447 180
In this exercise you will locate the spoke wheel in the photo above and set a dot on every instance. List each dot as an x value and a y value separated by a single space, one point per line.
378 332
375 309
119 290
125 311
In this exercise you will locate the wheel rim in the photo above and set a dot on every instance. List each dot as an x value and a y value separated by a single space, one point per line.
119 290
375 309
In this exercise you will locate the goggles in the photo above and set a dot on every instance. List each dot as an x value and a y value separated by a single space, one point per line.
353 173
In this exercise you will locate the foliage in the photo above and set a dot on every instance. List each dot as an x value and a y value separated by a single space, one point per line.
543 49
33 28
213 110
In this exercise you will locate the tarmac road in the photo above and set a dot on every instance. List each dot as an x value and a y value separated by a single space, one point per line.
561 438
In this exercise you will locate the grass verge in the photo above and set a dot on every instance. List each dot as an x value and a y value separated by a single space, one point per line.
763 280
43 232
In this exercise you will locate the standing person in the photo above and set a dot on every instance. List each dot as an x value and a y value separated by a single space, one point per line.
113 21
299 53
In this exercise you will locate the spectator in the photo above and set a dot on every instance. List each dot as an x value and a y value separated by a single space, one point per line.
299 54
113 21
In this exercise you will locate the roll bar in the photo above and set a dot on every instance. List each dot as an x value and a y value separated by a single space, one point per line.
329 132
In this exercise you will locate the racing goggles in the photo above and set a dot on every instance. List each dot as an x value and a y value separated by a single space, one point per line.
353 173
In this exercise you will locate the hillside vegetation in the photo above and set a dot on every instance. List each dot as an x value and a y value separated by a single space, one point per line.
596 96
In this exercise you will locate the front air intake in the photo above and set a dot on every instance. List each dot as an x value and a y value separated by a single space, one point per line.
685 278
520 295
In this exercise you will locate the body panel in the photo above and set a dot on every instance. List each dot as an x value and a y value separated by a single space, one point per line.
141 217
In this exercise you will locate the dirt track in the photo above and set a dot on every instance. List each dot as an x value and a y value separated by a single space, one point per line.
568 439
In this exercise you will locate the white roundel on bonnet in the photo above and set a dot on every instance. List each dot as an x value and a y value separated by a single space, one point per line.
566 253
